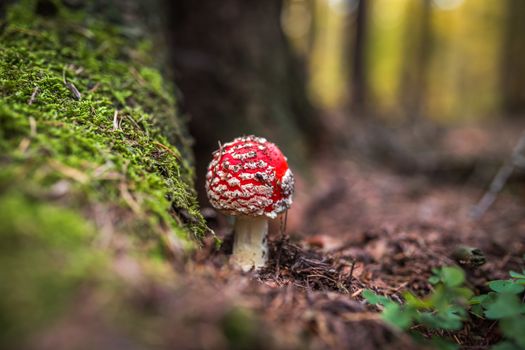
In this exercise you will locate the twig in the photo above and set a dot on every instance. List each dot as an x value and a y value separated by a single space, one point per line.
116 124
33 96
220 151
71 86
361 316
500 180
351 277
357 292
135 124
74 90
167 149
282 230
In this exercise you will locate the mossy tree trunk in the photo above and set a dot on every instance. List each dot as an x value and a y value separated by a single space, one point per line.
96 173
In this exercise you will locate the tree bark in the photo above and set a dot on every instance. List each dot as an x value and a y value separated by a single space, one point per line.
358 72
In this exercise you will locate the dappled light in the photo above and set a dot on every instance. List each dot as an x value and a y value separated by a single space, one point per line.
455 47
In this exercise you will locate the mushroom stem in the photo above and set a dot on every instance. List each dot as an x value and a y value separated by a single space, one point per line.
250 247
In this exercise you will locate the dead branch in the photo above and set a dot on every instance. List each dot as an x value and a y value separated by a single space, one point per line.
499 181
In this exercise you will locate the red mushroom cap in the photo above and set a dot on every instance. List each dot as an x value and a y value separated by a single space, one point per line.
249 176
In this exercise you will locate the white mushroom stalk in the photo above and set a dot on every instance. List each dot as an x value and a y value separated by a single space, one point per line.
250 245
249 178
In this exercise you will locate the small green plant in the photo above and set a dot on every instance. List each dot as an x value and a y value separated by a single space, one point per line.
445 308
504 305
449 304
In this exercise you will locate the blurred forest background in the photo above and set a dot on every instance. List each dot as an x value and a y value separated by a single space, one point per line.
447 60
387 78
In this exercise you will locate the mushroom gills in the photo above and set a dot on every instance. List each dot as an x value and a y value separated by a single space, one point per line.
250 248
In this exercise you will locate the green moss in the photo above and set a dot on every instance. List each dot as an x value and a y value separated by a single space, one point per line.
45 254
62 157
140 163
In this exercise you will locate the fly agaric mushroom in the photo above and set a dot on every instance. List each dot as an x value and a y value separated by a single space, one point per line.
249 178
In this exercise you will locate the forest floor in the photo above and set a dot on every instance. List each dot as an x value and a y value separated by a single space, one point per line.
354 225
364 227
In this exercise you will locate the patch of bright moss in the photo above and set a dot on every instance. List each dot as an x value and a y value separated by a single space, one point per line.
122 142
46 253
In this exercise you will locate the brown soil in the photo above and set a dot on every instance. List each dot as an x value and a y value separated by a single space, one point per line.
365 227
353 226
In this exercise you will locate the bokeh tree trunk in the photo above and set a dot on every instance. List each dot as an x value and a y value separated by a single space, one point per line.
513 69
418 44
358 86
238 75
